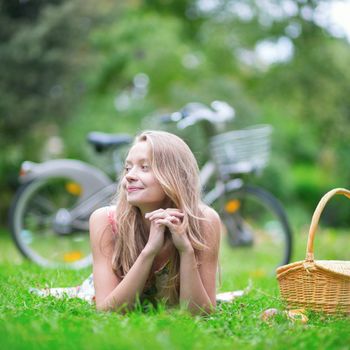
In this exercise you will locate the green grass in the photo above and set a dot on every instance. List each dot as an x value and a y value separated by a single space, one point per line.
30 322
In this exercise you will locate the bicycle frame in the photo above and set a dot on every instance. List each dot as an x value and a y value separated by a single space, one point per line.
221 187
91 178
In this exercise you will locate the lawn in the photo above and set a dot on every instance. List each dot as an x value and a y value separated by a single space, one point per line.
30 322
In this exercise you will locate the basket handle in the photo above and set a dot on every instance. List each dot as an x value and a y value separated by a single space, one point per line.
316 218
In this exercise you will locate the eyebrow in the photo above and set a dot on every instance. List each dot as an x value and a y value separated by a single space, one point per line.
142 160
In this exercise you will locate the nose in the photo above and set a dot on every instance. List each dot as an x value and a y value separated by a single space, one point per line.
131 176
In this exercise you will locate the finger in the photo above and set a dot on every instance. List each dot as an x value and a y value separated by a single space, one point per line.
157 224
147 215
175 213
171 222
160 215
174 220
165 222
168 210
174 210
155 217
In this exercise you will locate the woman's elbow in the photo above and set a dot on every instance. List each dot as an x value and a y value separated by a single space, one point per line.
101 306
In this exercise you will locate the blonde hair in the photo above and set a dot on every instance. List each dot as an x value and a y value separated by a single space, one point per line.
176 169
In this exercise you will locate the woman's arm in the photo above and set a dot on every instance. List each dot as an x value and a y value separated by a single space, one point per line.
113 293
198 278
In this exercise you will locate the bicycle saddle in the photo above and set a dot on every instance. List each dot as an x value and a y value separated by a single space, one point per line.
102 141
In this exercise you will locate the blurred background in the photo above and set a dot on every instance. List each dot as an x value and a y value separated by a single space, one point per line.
70 67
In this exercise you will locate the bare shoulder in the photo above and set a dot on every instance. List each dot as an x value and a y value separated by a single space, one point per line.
211 223
99 222
99 216
210 215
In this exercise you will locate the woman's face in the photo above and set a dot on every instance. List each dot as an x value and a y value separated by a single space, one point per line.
142 188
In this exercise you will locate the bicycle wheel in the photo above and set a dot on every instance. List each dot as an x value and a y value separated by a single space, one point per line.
43 226
257 229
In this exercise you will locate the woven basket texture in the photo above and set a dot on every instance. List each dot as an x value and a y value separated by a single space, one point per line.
320 285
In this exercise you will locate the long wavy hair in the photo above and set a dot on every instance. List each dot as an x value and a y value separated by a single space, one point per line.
176 169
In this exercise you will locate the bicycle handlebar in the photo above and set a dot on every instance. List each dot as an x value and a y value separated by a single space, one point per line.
194 112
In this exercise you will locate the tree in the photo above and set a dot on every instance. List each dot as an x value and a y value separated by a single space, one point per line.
41 59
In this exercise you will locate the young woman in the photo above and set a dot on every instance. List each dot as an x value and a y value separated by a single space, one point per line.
159 241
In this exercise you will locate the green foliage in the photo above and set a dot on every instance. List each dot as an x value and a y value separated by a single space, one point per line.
41 55
69 67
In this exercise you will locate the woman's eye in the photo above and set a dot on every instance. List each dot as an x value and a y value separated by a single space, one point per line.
145 167
127 168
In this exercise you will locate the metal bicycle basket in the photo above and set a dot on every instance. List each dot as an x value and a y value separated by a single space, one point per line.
242 151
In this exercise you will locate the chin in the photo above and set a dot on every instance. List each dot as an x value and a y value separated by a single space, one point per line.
145 204
133 202
136 202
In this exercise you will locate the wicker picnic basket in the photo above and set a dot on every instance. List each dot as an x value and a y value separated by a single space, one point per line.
321 285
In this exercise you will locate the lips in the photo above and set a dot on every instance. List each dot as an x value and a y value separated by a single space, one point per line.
133 189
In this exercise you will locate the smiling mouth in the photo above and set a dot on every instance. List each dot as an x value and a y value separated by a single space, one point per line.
133 189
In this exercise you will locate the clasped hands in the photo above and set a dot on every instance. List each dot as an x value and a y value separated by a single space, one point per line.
173 219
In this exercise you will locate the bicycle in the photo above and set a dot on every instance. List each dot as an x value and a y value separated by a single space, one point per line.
50 211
